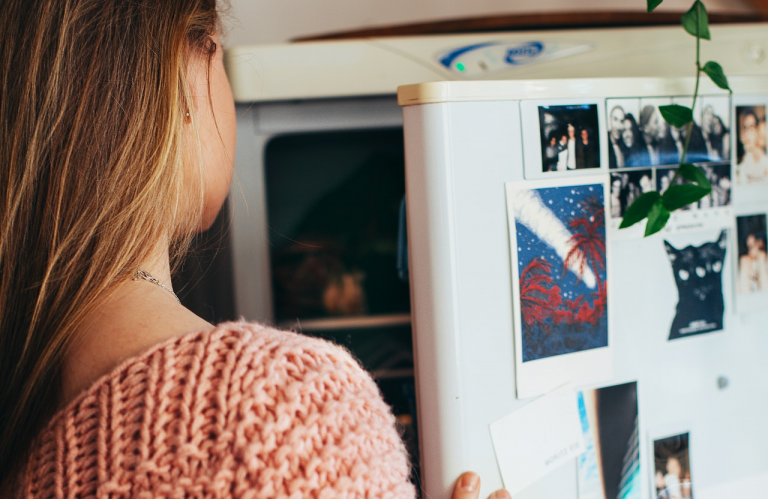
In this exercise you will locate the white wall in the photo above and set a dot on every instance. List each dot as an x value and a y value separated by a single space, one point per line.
272 21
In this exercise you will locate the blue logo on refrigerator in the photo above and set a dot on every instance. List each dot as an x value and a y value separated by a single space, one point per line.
481 59
524 53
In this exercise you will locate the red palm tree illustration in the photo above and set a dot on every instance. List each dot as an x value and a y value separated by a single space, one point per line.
593 207
588 241
539 296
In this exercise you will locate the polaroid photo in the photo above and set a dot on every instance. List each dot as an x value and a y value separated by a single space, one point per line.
558 248
656 135
672 467
750 153
698 268
562 138
716 127
751 262
610 466
626 143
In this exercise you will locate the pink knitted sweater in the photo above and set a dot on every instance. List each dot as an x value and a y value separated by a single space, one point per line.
240 411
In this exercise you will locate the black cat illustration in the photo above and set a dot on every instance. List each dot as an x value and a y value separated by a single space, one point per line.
698 275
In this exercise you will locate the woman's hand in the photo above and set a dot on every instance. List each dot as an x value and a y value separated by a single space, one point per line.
468 487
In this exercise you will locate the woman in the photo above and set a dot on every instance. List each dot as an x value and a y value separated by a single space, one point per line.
562 154
752 159
570 146
635 149
715 135
617 199
587 155
721 138
118 136
753 267
551 153
616 148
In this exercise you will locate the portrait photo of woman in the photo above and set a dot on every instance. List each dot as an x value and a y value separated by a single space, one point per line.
751 153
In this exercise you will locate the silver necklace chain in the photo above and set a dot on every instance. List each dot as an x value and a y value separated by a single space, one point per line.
146 276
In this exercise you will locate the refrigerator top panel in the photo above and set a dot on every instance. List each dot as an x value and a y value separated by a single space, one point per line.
367 67
477 91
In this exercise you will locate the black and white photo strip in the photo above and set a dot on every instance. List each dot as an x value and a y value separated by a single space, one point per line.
640 141
638 136
569 137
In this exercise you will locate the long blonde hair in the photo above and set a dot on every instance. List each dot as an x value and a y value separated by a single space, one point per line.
93 98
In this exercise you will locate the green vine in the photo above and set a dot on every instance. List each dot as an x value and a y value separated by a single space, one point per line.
657 207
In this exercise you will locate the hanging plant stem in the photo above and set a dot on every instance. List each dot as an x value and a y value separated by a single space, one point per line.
657 207
689 130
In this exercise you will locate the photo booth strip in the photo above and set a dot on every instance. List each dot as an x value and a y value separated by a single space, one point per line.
638 136
712 212
631 167
559 260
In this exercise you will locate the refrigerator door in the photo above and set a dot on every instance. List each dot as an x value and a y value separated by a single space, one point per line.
464 142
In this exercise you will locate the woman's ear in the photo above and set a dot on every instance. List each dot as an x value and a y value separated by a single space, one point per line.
198 75
212 142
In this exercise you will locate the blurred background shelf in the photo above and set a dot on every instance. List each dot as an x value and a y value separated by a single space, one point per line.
348 323
382 374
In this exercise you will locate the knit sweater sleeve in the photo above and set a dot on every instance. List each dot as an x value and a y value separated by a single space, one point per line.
239 412
310 423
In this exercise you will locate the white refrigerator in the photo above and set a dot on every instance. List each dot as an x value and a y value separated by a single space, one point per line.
522 282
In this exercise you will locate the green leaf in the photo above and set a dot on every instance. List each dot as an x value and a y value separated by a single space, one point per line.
695 175
678 196
676 115
657 218
652 4
716 74
696 21
639 209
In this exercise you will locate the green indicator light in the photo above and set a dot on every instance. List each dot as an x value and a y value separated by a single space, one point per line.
460 66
